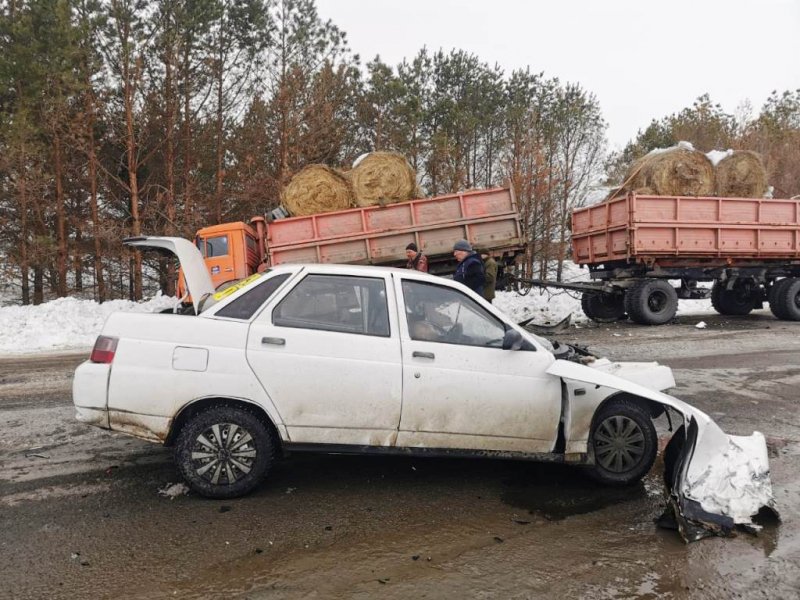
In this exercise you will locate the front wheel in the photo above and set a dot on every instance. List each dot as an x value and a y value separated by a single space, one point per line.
224 452
624 442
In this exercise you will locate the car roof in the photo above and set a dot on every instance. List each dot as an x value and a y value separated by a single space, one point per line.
346 269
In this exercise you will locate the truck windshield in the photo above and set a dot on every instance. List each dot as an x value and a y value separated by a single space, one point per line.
213 246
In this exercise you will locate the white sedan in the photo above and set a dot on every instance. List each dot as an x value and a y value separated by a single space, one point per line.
341 358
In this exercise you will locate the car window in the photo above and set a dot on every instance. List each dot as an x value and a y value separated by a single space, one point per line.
336 303
248 303
441 314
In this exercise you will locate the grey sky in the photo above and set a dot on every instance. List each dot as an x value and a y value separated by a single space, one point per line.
642 59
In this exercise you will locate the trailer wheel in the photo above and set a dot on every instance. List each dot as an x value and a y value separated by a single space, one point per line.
785 299
602 307
651 302
737 301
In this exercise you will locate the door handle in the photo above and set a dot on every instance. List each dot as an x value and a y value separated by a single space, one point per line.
418 354
273 341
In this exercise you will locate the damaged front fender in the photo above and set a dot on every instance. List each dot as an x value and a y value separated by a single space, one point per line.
715 482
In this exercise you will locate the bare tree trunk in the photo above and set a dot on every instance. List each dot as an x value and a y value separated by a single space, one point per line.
170 229
133 185
61 228
24 262
98 251
220 142
38 285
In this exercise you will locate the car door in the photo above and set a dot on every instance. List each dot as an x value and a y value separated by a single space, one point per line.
460 388
328 354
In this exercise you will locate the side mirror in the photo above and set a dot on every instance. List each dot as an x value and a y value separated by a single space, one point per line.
512 340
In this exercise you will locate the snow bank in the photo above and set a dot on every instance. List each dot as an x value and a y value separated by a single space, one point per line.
63 324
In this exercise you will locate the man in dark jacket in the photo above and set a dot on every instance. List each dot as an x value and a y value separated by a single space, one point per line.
470 268
416 259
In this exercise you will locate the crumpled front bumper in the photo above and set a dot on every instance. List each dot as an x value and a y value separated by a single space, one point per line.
716 482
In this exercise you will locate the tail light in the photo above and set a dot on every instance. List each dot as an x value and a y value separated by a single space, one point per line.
104 349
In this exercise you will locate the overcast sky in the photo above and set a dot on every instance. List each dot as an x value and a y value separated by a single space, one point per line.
643 59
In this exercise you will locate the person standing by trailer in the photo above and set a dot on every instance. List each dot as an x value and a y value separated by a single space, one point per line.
416 259
470 268
490 270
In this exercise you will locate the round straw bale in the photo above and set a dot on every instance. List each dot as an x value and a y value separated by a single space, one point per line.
672 172
317 189
741 175
383 177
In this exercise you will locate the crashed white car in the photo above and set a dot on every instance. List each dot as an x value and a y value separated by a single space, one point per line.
340 358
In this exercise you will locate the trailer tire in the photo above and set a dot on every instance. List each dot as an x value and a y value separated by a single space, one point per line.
785 301
738 301
651 302
602 307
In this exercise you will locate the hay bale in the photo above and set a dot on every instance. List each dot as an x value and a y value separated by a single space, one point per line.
741 175
676 171
383 178
317 189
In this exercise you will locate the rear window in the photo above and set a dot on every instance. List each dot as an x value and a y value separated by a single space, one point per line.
246 305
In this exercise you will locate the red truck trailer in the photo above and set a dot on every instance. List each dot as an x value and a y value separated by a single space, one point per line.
646 252
378 235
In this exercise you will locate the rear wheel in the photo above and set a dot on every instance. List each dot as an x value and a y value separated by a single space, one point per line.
224 452
741 299
623 440
603 308
785 299
651 302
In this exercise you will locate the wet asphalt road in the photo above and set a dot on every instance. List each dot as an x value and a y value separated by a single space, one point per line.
81 515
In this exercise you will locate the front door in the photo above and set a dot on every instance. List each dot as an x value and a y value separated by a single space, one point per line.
460 388
328 355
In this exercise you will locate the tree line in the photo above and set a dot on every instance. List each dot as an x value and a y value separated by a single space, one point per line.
129 117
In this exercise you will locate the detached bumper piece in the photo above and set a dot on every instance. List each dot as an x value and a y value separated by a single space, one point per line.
716 483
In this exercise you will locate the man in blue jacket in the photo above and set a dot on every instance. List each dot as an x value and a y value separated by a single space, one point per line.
470 267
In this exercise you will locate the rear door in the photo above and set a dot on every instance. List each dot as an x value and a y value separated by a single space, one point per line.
328 354
460 388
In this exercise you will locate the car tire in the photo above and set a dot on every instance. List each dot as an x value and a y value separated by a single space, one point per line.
215 465
651 302
623 442
785 300
734 302
603 308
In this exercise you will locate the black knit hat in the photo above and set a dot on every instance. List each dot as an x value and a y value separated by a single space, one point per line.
412 246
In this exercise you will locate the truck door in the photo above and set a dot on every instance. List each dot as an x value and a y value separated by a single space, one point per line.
218 252
460 388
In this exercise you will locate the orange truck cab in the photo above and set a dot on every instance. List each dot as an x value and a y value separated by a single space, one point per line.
232 251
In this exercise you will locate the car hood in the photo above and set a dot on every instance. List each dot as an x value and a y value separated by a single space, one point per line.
715 481
195 272
649 374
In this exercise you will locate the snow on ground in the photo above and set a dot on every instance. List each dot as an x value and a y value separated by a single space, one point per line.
63 324
70 323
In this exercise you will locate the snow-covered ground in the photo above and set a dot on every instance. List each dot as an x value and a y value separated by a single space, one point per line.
69 323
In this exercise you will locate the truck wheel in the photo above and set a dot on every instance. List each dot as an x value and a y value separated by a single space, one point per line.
651 302
624 442
603 308
224 452
740 300
785 299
